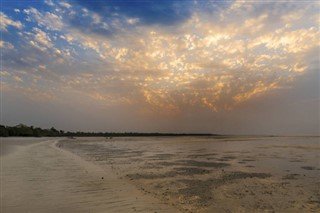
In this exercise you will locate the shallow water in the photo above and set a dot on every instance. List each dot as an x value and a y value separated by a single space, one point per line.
161 174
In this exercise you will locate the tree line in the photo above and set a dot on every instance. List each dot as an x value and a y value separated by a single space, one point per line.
22 130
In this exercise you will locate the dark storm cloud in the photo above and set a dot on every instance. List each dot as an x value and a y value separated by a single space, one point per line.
85 25
165 12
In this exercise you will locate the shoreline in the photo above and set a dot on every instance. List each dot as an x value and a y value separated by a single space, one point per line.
41 177
186 174
198 180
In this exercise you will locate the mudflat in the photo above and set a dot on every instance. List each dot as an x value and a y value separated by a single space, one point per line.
206 174
162 174
39 177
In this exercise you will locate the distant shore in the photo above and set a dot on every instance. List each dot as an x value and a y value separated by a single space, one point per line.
22 130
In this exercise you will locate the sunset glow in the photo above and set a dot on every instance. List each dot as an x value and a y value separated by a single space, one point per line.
196 66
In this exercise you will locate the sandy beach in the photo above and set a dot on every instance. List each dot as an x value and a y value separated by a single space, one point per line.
39 177
161 174
160 106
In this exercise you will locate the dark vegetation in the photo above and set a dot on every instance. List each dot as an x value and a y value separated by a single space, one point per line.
22 130
29 131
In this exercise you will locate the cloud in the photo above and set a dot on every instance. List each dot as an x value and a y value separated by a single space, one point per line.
210 61
42 37
18 79
6 21
48 20
94 24
65 4
6 45
49 2
166 12
4 73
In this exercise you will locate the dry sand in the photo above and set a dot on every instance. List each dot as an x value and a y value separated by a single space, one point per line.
184 174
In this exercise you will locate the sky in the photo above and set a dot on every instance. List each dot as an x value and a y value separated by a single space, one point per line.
196 66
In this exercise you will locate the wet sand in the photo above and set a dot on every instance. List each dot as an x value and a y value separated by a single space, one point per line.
214 175
184 174
39 177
